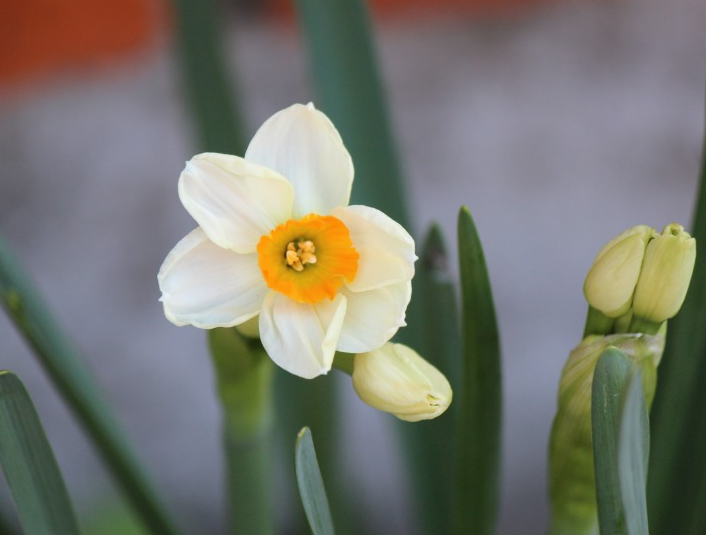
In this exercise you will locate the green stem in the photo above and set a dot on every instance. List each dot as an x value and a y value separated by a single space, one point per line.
597 323
638 325
344 362
244 377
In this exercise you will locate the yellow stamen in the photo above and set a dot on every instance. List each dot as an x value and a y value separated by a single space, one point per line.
288 263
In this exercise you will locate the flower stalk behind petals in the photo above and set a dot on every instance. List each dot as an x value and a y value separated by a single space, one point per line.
244 376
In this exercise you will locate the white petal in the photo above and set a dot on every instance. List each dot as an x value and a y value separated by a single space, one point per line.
301 337
373 317
207 286
302 144
386 249
233 200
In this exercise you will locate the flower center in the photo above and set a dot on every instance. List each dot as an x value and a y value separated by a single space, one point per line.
288 263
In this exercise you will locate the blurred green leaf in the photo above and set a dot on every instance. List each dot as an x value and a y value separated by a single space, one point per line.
210 94
7 523
677 475
311 485
74 382
479 397
633 454
349 90
244 379
27 460
610 379
620 445
427 443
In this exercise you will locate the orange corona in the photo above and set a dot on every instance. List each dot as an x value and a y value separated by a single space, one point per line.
309 259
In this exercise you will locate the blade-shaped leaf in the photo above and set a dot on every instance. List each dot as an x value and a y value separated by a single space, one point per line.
209 91
72 378
349 90
311 486
633 455
428 446
479 399
27 460
677 475
620 445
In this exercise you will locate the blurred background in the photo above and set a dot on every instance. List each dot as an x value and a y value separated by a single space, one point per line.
558 123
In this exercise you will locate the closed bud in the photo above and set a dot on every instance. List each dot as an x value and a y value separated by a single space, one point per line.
666 273
611 281
395 379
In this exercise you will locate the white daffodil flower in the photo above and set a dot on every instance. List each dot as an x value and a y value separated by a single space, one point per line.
276 238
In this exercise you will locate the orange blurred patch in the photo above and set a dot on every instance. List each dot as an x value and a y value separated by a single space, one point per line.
37 36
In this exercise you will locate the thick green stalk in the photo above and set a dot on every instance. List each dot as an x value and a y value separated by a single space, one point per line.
72 379
244 379
480 395
210 94
677 475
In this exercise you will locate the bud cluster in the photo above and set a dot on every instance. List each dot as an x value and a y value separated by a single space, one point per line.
642 272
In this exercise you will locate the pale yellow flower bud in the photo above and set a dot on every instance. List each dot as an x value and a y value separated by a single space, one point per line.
611 281
395 379
666 273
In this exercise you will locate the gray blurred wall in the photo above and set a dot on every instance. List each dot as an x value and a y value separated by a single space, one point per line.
558 128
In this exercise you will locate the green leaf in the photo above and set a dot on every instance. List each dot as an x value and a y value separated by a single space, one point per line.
210 94
71 377
311 485
244 379
31 471
479 398
620 445
349 90
633 455
677 476
610 379
434 290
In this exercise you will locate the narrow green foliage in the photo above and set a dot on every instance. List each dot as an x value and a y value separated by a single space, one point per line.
244 379
620 445
7 525
427 443
610 379
311 485
74 382
210 93
349 90
677 475
31 471
479 397
633 455
572 480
